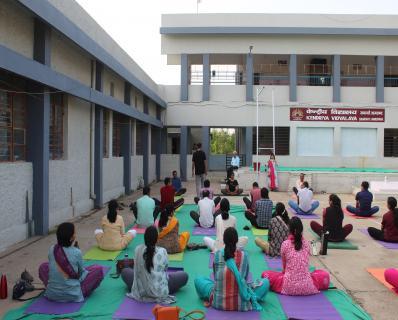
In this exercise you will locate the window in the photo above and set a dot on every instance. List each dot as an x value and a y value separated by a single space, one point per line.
12 127
316 142
154 141
391 142
117 119
358 142
57 127
282 140
139 151
106 134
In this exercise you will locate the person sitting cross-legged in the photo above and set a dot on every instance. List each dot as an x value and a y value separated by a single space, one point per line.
146 209
364 200
205 217
333 221
305 203
389 224
263 213
176 183
167 193
255 194
232 187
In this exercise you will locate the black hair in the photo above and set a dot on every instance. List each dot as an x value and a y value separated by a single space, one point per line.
166 180
336 203
199 145
206 183
146 190
272 155
255 184
296 230
305 184
365 185
392 205
165 214
112 210
230 238
205 193
174 171
65 232
264 193
150 239
224 207
280 211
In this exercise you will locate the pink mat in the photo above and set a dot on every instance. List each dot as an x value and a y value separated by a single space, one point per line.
303 216
355 216
199 231
387 245
214 314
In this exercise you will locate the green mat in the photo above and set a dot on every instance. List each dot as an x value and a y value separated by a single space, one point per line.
323 169
259 232
96 253
107 297
176 256
344 245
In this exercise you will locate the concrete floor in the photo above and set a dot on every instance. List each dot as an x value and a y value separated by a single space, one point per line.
347 267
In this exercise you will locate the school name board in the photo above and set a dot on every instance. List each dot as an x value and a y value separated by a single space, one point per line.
337 114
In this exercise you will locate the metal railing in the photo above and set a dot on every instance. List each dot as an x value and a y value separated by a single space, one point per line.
314 80
219 77
390 81
315 69
358 70
358 81
278 80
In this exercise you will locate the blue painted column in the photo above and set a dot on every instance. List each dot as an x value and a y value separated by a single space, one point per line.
380 79
158 137
293 78
206 142
249 145
38 132
184 77
249 77
125 142
145 152
183 153
206 77
336 78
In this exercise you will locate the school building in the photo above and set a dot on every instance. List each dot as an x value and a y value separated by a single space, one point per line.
81 122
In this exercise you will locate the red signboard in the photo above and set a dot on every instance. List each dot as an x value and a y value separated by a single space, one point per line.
337 114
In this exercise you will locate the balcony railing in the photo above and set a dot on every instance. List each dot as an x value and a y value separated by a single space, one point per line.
314 80
358 81
390 81
270 80
219 77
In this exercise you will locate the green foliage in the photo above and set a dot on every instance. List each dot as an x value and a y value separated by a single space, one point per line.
222 141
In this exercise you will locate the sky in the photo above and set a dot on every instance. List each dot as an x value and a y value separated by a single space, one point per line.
134 24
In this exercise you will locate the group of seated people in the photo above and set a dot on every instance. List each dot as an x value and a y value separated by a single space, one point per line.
67 280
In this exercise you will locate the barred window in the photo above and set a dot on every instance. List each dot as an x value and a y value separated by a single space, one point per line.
12 126
105 134
57 127
391 142
282 140
116 128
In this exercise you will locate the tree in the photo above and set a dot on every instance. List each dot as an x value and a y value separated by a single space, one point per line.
222 141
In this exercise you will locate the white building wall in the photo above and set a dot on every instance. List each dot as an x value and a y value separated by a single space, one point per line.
15 21
152 108
169 162
113 178
118 84
136 171
152 168
15 184
70 178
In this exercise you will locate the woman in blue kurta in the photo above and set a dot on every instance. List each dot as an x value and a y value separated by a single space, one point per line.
64 276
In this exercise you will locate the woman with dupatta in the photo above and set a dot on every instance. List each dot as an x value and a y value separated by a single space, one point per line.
272 173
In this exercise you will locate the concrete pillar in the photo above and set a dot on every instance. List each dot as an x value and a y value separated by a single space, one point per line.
183 153
206 142
249 145
206 77
145 152
163 140
184 77
98 156
380 79
125 148
336 78
293 78
249 77
158 136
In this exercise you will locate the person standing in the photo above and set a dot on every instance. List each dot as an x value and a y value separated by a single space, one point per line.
272 173
199 168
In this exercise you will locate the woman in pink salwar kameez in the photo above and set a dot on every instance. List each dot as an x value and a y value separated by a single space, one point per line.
272 173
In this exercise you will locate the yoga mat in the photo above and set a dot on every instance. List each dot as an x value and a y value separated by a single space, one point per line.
139 230
44 306
303 216
211 260
229 195
273 262
355 216
248 280
344 245
174 269
379 275
176 256
214 314
132 309
259 232
387 245
199 231
96 253
314 307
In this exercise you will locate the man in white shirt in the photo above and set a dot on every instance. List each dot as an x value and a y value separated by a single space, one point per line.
205 217
305 203
235 161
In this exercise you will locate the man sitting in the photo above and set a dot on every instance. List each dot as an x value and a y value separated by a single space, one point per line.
305 203
232 187
235 161
176 183
205 217
206 187
299 183
262 215
167 193
255 195
145 209
364 200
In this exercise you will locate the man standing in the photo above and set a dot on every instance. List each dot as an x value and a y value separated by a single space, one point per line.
199 168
